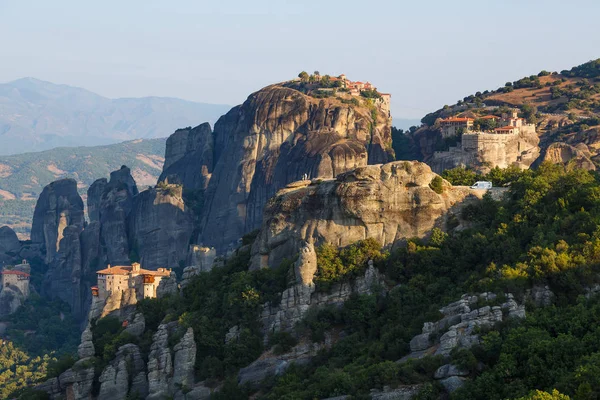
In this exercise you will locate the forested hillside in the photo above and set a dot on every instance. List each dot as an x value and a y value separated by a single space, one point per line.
23 176
544 233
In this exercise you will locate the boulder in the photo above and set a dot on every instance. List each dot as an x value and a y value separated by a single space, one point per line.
448 370
452 383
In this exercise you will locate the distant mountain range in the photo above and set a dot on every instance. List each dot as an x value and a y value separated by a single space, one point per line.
23 176
37 115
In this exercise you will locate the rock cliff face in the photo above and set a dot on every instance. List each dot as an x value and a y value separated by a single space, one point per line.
277 136
160 227
9 242
387 202
58 206
189 157
57 223
116 203
578 156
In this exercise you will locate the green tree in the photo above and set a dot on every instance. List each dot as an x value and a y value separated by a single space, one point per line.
303 76
460 176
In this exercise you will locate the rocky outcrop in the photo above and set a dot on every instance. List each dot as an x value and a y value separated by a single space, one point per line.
277 136
167 286
461 323
386 202
9 242
160 227
270 364
73 384
63 279
299 298
94 198
86 347
540 295
58 207
125 376
137 326
189 157
578 156
116 203
183 361
57 223
171 375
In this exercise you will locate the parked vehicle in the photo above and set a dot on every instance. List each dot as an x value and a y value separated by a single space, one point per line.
482 185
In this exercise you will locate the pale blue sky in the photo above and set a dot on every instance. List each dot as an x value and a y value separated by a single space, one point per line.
426 53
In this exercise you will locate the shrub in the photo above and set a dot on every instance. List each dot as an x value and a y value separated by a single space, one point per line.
437 185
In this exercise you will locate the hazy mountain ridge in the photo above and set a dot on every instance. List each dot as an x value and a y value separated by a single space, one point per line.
38 115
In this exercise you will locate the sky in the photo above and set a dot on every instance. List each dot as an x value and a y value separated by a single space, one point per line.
425 53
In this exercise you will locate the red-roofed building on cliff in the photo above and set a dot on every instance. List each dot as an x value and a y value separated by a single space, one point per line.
122 278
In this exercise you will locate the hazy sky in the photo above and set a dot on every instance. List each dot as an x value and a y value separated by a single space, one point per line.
426 53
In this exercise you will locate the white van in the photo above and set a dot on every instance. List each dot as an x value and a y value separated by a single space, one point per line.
482 185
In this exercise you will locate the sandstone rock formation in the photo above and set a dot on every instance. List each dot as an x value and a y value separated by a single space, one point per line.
9 242
125 376
94 198
577 156
170 375
160 227
57 223
387 202
86 347
277 136
299 298
189 158
460 324
270 364
58 206
73 384
116 203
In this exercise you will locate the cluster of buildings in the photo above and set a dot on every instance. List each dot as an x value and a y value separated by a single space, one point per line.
16 277
122 278
511 141
509 124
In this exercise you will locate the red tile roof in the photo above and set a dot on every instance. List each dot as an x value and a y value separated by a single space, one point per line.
126 270
13 272
490 117
505 128
457 119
